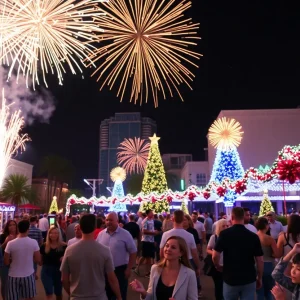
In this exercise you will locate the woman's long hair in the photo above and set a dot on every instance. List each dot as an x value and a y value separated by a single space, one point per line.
183 249
48 241
6 228
190 221
219 226
293 228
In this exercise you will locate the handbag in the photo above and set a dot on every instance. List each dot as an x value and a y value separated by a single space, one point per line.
209 267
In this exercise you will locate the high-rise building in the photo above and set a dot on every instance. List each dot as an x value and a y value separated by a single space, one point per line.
113 131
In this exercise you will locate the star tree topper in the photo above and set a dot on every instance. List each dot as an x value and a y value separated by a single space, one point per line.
154 139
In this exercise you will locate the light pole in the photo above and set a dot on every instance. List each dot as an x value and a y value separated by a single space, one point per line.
92 184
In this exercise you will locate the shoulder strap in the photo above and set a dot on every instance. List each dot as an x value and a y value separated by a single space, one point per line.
216 238
287 241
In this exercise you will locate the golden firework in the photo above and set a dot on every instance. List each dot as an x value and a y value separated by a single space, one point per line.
225 134
146 47
11 140
44 35
117 173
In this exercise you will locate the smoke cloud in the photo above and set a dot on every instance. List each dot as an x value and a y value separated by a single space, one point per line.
36 106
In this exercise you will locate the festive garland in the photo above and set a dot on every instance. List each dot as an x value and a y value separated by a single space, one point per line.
286 167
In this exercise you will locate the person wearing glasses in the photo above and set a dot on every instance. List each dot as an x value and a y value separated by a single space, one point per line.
275 226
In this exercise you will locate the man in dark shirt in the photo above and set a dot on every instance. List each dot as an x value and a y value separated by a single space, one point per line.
134 229
241 249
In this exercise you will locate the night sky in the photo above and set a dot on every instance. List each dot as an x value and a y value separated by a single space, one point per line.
250 61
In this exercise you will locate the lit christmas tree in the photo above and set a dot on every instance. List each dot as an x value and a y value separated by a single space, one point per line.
118 175
155 177
184 208
158 207
226 136
53 206
227 165
118 190
266 205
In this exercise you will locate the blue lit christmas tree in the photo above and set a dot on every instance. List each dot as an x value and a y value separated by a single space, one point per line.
226 136
118 175
227 165
118 190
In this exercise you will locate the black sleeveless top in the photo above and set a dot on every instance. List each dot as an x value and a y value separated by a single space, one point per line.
163 292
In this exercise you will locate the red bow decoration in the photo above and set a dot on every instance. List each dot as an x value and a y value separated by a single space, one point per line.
72 201
288 170
169 199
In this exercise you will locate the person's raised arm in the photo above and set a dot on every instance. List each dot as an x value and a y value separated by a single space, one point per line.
278 272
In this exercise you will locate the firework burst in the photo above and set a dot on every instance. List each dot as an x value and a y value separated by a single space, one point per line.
133 155
117 173
10 138
44 35
147 47
225 134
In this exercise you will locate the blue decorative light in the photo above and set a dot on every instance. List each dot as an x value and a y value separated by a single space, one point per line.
118 190
118 207
230 198
227 165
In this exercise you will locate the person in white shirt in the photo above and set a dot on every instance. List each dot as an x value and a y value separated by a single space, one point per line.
247 217
275 226
78 235
199 226
20 254
44 226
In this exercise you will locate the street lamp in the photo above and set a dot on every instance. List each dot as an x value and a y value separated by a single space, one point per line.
92 184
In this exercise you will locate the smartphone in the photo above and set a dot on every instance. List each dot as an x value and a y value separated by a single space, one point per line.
52 220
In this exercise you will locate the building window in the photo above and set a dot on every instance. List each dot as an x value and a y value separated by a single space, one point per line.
201 179
174 162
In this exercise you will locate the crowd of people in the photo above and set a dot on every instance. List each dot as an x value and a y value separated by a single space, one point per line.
93 257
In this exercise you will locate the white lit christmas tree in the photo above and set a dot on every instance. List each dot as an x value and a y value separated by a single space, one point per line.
118 175
226 135
266 205
53 206
184 207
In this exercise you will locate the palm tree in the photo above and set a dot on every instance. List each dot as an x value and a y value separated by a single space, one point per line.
16 190
58 171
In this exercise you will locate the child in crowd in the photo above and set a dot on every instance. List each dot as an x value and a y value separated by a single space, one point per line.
290 283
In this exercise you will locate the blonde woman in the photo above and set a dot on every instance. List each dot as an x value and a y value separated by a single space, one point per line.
217 276
52 253
173 277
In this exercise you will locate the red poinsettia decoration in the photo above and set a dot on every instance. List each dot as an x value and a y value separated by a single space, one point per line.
191 196
72 201
206 194
240 186
288 170
221 190
169 199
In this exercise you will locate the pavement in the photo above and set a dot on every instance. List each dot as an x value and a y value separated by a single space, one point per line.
206 282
